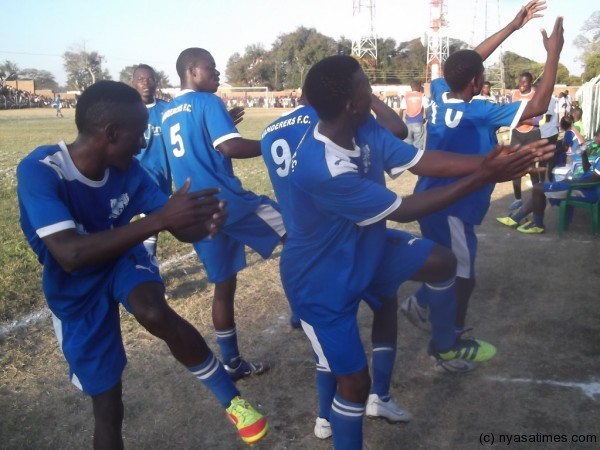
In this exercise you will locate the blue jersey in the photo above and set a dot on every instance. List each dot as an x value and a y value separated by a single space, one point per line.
469 129
194 124
153 157
337 236
278 144
54 196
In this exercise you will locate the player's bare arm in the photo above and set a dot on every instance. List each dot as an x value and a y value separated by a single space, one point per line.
501 164
387 118
525 14
199 211
240 148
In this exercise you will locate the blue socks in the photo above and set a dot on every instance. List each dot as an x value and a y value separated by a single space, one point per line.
441 299
227 340
346 424
326 388
214 376
384 357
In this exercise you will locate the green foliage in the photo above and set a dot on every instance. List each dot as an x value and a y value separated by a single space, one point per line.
83 69
589 43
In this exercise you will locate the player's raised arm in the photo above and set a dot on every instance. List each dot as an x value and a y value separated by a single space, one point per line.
530 11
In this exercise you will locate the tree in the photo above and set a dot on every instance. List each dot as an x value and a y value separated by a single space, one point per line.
83 69
162 79
42 78
589 43
9 70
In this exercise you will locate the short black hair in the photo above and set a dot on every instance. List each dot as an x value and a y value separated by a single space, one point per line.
143 66
461 67
188 58
526 75
566 122
328 85
102 103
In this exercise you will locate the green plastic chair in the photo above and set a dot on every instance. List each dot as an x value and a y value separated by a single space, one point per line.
593 208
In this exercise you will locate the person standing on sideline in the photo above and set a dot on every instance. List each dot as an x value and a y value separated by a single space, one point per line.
414 105
525 132
201 140
76 202
457 124
58 105
153 157
549 130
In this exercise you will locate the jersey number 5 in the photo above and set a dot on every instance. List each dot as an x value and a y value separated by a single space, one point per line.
176 141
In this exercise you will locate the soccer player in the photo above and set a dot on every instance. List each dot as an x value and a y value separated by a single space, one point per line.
153 157
278 142
201 140
77 201
458 125
338 247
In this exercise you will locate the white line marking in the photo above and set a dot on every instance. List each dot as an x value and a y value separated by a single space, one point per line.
590 390
44 313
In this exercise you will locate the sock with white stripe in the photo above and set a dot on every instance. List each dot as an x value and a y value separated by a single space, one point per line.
384 357
228 344
346 423
214 376
441 298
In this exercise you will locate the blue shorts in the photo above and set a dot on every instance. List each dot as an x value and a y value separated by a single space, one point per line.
338 346
92 343
224 255
557 190
458 236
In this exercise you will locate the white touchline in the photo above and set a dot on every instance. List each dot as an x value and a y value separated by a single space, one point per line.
590 390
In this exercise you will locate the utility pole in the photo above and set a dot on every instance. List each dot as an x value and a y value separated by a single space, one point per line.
437 41
364 44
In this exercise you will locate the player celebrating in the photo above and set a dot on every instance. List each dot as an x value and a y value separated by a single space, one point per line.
338 247
279 140
459 125
153 157
201 139
76 203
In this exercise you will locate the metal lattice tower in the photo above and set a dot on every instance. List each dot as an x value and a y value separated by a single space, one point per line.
488 23
364 44
437 41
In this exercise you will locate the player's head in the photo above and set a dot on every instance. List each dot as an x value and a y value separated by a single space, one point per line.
565 123
525 82
576 113
145 81
415 86
464 69
115 112
197 70
336 85
597 137
486 88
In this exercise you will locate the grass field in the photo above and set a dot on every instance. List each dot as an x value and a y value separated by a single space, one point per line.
23 130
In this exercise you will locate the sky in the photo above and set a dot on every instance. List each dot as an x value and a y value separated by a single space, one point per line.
35 33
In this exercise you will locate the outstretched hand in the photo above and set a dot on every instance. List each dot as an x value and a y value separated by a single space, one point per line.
555 41
237 114
530 11
190 216
507 163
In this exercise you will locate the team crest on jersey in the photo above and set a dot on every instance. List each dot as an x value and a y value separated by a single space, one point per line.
366 158
118 205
